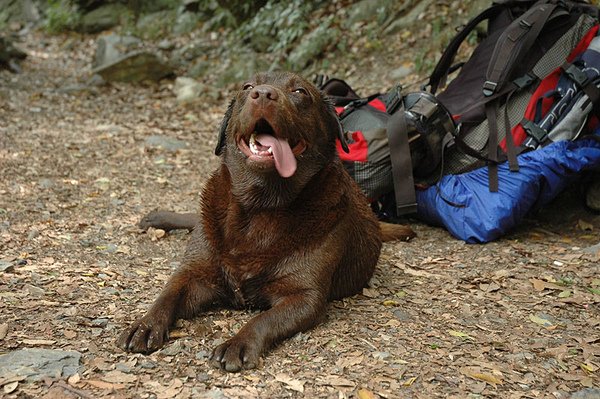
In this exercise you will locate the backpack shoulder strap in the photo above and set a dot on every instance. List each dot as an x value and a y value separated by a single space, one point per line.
516 41
441 70
337 90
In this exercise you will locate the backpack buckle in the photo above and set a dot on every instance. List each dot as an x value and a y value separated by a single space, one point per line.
576 74
525 80
393 99
525 24
534 131
489 88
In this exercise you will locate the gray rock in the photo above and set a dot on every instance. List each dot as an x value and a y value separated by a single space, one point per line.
36 364
34 290
198 68
166 45
242 64
6 267
123 367
167 143
594 249
191 51
95 80
214 393
400 73
29 11
135 67
103 17
381 355
402 315
10 56
22 11
99 322
185 22
592 196
156 24
46 183
110 48
148 364
587 393
33 233
187 90
172 349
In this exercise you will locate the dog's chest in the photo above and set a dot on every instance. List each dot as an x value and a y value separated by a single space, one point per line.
251 260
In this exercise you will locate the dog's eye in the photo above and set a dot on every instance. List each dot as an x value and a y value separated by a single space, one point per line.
301 90
248 86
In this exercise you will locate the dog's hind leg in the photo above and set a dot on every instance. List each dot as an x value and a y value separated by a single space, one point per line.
167 220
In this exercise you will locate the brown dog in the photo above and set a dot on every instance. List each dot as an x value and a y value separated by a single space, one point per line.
282 226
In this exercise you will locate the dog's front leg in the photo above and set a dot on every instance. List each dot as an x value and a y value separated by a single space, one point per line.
185 294
288 316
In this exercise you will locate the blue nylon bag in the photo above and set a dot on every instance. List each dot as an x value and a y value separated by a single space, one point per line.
466 207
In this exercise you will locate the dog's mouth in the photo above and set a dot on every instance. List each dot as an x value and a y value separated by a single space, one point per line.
265 146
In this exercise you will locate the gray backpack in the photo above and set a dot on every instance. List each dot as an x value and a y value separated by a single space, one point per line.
531 81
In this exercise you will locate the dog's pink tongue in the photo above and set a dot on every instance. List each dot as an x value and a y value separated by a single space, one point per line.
285 161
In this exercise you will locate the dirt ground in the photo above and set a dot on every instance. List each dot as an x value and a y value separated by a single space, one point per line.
516 318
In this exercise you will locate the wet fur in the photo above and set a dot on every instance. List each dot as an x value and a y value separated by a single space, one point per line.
286 246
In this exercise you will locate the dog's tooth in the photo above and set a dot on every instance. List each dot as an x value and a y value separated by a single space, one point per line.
270 150
252 144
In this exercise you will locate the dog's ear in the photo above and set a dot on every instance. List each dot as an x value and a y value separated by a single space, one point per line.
223 129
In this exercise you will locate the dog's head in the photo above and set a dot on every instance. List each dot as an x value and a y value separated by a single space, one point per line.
279 123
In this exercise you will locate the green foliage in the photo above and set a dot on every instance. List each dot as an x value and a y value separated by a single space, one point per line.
240 10
61 15
154 25
276 25
3 19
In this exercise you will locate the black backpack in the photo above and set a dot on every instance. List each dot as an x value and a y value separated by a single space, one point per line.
490 112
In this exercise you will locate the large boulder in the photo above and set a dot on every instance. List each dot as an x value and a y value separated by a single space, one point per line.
18 11
122 59
156 24
103 18
135 67
111 47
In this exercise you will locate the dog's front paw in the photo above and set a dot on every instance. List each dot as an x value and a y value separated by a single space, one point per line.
146 335
236 354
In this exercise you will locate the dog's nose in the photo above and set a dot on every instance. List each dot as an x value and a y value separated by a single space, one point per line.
264 92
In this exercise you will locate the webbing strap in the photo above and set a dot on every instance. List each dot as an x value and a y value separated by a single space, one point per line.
404 186
491 112
442 69
511 151
513 44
